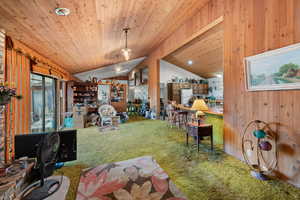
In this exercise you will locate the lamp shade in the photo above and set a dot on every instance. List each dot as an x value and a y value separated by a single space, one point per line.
200 105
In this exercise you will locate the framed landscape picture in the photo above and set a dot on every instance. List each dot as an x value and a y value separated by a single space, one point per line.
274 70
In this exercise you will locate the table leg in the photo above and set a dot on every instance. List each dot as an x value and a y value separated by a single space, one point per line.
187 139
198 143
211 142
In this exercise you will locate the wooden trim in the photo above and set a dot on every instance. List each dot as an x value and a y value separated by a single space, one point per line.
195 35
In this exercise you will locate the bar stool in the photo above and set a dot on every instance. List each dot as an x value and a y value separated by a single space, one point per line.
171 115
181 118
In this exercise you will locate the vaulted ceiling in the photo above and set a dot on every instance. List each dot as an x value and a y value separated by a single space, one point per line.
91 36
206 53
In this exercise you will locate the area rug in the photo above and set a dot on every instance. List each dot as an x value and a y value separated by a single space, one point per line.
136 179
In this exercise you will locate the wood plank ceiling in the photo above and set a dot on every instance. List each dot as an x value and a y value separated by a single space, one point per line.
91 36
206 52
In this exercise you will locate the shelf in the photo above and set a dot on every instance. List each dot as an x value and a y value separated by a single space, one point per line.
84 91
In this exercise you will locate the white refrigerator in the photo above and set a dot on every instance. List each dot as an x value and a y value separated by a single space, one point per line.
186 94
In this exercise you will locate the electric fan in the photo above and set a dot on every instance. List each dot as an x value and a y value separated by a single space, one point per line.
259 149
46 159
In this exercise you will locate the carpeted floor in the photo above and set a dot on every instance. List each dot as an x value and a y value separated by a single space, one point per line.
205 175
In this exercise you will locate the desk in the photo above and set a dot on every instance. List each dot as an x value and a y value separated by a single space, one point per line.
199 131
12 184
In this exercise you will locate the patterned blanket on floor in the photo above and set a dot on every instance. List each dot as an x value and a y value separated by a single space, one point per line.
136 179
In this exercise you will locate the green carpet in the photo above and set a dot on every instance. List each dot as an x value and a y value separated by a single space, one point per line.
201 176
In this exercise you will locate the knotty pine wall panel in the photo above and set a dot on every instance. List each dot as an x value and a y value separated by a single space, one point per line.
253 27
18 111
250 27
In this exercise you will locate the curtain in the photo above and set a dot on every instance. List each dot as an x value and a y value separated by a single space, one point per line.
18 116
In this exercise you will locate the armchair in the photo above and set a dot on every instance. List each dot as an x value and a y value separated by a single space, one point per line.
106 112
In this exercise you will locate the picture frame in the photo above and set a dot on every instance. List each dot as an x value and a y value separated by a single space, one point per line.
277 69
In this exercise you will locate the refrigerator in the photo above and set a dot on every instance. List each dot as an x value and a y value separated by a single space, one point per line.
185 95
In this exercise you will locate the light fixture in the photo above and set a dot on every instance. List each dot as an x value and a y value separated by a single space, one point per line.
126 51
219 75
123 71
189 62
62 11
199 105
118 69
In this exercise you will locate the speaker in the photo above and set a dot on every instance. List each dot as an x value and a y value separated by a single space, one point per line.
26 145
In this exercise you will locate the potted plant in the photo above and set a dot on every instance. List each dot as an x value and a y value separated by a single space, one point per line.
6 94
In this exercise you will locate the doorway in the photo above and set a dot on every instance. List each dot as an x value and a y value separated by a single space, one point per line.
43 103
197 67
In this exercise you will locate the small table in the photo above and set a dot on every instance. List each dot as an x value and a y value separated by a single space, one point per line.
199 131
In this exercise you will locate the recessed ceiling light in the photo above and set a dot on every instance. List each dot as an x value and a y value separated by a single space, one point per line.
219 75
118 69
123 71
189 62
62 11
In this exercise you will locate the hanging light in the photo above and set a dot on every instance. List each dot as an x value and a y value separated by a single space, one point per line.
126 51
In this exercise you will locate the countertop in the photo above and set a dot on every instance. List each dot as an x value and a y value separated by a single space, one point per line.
212 111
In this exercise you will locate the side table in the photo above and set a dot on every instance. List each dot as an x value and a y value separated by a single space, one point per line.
199 131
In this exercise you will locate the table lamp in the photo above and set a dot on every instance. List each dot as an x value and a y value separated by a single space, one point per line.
199 105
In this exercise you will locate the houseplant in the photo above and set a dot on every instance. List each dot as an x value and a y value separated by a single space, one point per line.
6 94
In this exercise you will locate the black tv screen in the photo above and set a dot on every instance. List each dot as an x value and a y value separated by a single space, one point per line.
26 145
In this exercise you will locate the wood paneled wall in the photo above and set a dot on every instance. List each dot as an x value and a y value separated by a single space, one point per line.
253 27
250 27
18 111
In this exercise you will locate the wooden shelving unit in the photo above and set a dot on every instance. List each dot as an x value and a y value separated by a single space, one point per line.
85 92
118 96
174 90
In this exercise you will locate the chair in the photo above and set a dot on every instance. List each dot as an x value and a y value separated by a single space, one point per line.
107 113
170 114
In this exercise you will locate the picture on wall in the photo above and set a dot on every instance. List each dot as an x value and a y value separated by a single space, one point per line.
274 70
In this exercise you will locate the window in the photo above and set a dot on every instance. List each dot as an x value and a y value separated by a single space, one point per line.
43 103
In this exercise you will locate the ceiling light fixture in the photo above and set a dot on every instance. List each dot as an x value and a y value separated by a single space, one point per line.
123 71
62 11
126 51
118 69
219 75
189 62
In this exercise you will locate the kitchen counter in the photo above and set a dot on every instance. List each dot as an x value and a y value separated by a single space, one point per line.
212 111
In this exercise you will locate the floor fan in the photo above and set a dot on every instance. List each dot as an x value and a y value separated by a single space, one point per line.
259 147
46 159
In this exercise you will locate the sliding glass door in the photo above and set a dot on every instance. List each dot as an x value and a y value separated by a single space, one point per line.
43 103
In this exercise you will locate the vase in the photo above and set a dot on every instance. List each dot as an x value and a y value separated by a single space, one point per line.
4 100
